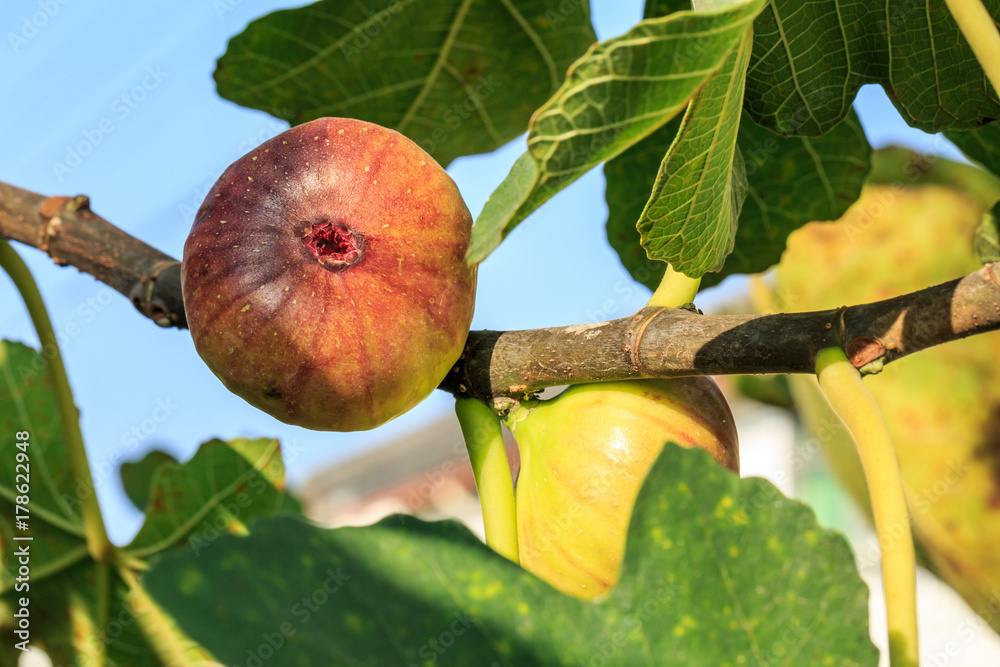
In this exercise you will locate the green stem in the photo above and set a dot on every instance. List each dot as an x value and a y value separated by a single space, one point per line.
675 290
856 407
98 543
484 440
103 586
981 32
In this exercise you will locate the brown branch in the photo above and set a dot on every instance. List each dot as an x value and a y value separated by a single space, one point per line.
665 342
71 234
655 342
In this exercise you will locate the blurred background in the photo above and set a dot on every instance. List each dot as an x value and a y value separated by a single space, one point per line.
132 83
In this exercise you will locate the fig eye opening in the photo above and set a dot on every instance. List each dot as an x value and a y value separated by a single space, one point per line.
333 244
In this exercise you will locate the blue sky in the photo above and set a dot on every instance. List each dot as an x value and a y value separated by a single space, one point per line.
135 81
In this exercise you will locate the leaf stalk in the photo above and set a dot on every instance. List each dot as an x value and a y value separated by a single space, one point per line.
981 32
674 290
857 408
488 454
98 543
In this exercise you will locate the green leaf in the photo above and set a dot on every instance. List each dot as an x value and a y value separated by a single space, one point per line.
791 181
79 610
456 76
137 476
66 621
53 520
690 219
809 59
618 93
766 389
656 8
504 204
981 145
630 178
28 404
223 486
988 237
794 181
52 549
718 571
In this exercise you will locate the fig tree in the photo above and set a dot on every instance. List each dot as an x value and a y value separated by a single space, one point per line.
324 277
584 456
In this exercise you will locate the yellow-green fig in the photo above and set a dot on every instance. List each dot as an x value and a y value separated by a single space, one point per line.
915 226
584 456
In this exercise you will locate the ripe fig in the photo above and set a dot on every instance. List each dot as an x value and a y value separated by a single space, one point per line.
584 456
325 279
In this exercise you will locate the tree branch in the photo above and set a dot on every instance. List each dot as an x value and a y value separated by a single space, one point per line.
666 342
655 342
71 234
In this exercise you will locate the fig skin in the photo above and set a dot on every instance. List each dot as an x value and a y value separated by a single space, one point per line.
324 277
584 456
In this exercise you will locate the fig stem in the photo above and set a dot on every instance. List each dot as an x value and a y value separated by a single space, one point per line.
981 32
674 290
854 404
484 440
98 543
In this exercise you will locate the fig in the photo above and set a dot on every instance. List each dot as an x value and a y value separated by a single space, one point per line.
914 226
584 456
324 277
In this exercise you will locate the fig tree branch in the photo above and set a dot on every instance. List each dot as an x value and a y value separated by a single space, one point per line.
655 342
669 342
71 234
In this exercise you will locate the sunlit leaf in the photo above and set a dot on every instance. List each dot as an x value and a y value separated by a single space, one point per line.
691 216
618 93
456 76
717 571
790 181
